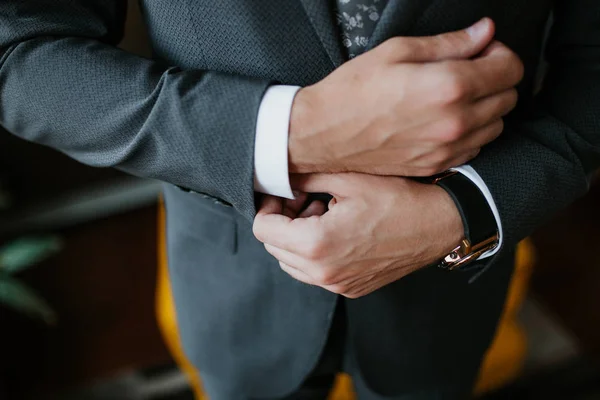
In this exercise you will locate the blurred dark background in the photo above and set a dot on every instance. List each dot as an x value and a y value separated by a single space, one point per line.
102 284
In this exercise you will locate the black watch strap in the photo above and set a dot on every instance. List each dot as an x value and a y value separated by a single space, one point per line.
477 216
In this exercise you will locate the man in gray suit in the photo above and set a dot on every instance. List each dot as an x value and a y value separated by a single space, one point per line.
399 281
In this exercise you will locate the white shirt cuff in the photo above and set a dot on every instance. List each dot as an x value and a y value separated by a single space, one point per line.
470 173
271 174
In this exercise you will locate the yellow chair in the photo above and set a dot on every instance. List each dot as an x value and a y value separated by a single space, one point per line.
502 363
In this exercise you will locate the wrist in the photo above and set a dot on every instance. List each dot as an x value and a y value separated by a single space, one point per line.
445 214
303 154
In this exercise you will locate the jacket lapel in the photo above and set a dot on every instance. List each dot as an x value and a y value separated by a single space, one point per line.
397 19
322 16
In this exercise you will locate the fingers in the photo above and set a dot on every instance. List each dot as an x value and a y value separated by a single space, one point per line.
481 136
300 235
493 107
493 47
497 70
289 258
268 216
316 208
470 147
488 110
270 205
462 81
296 274
334 184
462 44
291 208
463 158
302 269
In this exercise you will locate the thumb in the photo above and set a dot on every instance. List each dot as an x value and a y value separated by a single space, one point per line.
462 44
270 205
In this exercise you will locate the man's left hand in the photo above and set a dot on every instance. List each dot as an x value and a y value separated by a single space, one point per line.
377 230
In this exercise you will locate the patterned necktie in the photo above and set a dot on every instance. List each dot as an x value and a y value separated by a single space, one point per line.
357 20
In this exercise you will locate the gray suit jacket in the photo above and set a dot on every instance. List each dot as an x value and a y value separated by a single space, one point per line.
188 118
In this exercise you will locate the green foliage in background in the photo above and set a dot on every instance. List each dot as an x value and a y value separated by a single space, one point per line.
20 255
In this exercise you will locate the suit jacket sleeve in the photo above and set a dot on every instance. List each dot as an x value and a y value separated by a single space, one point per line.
64 84
543 163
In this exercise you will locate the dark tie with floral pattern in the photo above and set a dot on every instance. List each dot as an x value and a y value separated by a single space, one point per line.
357 20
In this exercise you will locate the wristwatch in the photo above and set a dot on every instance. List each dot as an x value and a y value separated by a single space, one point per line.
481 230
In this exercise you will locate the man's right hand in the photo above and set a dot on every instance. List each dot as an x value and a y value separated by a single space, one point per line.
413 106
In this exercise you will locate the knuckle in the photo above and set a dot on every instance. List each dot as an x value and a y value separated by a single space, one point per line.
452 91
314 249
443 156
337 289
491 132
454 88
389 45
418 47
324 277
285 268
513 98
444 41
496 130
441 161
499 126
518 66
468 156
454 128
394 48
513 65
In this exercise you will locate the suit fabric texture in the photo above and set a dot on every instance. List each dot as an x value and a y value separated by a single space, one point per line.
188 118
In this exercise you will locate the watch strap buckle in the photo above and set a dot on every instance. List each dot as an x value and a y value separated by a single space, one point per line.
465 252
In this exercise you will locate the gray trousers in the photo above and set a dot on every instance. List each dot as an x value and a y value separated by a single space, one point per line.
336 358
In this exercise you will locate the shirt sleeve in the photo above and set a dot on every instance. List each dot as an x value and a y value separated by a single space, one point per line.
271 174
